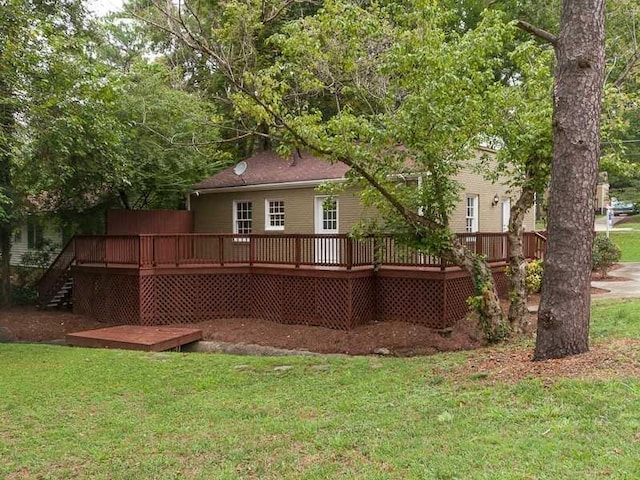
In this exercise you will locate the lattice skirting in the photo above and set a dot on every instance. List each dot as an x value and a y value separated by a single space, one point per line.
107 295
336 299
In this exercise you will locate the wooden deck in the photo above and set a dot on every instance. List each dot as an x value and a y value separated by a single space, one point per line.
135 337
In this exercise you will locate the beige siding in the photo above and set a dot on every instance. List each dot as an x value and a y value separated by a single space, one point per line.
213 212
20 242
489 214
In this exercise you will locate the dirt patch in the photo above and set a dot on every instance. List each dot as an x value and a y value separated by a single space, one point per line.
597 276
28 324
611 359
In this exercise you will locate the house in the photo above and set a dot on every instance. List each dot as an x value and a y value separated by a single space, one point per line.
602 200
34 234
260 241
269 194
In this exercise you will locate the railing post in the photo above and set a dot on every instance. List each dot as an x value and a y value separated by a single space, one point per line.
139 251
221 249
349 252
153 251
251 251
176 247
479 243
443 264
298 253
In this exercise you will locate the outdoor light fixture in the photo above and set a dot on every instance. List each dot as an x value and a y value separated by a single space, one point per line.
495 201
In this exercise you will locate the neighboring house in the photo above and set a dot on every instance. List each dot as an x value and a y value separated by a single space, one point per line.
602 193
269 194
32 235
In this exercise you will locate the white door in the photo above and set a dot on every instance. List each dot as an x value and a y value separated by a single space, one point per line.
506 214
327 250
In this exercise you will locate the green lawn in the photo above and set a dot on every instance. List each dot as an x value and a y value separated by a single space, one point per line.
100 414
629 243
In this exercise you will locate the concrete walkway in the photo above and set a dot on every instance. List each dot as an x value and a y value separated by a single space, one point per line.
621 289
600 225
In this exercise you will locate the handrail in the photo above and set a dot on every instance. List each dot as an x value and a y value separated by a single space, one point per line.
57 273
335 250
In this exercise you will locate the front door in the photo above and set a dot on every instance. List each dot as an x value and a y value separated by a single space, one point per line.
327 250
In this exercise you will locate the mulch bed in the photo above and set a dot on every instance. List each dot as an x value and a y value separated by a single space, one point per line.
29 324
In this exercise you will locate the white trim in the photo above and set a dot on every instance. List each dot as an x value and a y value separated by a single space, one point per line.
235 219
475 213
267 215
270 186
505 216
318 214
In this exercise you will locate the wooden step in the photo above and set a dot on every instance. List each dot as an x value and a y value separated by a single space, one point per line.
135 337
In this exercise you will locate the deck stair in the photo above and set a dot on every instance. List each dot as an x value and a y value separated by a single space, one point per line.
55 288
64 296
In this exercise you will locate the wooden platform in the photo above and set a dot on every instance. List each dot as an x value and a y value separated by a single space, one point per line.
135 337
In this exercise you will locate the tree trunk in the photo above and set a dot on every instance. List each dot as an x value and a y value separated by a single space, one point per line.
517 261
563 319
5 266
486 300
7 125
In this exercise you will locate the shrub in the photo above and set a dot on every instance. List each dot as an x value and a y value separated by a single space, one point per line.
534 276
605 254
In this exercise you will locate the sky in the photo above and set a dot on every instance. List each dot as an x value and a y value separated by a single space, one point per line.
102 7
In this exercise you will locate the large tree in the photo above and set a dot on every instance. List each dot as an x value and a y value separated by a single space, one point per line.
563 319
32 35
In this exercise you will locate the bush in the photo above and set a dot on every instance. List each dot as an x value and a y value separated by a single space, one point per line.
605 254
534 276
24 295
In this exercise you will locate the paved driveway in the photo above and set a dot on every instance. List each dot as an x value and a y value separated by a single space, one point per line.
620 289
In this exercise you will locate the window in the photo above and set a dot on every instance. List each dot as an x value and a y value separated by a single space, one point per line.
471 214
274 215
242 217
330 214
34 235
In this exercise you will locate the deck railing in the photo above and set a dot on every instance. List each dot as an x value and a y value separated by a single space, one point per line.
279 249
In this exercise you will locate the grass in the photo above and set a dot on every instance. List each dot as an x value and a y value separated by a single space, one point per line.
101 414
629 243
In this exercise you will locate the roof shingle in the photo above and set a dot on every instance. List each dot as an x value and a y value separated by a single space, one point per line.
268 167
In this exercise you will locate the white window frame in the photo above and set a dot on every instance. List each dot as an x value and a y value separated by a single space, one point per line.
471 213
319 220
269 215
236 220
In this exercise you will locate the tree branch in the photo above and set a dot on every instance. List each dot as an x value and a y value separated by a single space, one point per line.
633 62
537 32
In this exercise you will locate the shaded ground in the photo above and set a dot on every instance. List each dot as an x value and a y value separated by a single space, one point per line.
28 324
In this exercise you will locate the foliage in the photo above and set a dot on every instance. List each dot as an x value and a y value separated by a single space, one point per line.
41 256
605 254
534 276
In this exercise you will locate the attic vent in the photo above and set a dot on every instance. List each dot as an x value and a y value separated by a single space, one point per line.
240 168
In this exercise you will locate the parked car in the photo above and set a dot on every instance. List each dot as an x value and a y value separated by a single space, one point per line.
624 208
